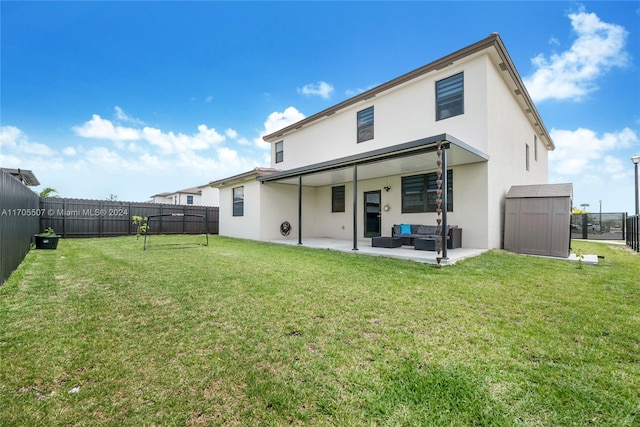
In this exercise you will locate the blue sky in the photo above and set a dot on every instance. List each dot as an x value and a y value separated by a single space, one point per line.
136 98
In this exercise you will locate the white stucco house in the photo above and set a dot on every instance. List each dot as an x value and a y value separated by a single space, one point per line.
209 196
354 170
188 196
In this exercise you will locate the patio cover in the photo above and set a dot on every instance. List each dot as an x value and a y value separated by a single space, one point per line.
396 160
399 159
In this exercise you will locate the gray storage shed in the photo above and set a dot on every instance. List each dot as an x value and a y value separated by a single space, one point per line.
538 219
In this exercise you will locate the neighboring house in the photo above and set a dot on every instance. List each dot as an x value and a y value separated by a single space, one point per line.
210 195
26 177
189 196
355 169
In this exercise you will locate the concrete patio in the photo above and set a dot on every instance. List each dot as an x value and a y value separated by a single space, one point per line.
364 247
406 252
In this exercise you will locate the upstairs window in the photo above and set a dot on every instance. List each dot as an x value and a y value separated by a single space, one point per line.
189 200
419 193
337 199
535 148
450 97
365 125
526 155
238 201
279 151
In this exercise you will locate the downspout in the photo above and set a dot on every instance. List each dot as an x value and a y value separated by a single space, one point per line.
445 187
441 211
300 210
355 207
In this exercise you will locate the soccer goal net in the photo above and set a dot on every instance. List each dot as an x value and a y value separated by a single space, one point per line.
192 229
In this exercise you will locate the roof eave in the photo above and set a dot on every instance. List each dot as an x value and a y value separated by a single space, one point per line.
254 173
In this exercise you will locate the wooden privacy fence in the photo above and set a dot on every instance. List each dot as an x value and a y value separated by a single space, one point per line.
103 218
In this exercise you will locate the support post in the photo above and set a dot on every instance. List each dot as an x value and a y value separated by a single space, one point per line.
355 207
300 210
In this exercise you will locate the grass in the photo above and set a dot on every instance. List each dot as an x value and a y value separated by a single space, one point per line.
241 333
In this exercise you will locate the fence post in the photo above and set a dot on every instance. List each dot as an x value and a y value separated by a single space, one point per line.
64 218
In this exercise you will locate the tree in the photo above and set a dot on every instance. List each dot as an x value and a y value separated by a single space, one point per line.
48 192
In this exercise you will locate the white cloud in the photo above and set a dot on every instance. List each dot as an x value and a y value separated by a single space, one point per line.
572 74
597 165
354 92
232 134
15 141
9 135
321 89
99 128
276 121
135 161
124 117
582 151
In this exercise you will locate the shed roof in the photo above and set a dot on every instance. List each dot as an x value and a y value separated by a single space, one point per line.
25 176
540 190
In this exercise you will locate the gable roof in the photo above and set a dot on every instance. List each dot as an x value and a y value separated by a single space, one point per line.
27 177
500 56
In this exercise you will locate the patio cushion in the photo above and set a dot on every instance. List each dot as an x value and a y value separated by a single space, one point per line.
426 229
405 228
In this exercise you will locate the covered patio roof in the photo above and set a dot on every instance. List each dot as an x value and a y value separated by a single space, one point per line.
396 160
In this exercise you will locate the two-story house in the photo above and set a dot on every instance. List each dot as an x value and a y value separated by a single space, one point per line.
188 196
358 167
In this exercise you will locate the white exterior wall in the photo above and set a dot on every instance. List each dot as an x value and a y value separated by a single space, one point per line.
210 196
248 225
404 114
509 131
279 204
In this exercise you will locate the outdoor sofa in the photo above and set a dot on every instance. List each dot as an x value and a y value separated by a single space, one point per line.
427 235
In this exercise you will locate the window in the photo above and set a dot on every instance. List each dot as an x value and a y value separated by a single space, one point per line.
189 200
526 154
535 148
279 151
337 199
419 192
238 201
365 124
450 97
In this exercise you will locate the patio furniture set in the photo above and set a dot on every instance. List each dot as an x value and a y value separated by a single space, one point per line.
421 237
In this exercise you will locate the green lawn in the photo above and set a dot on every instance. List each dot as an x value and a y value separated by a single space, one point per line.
100 332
